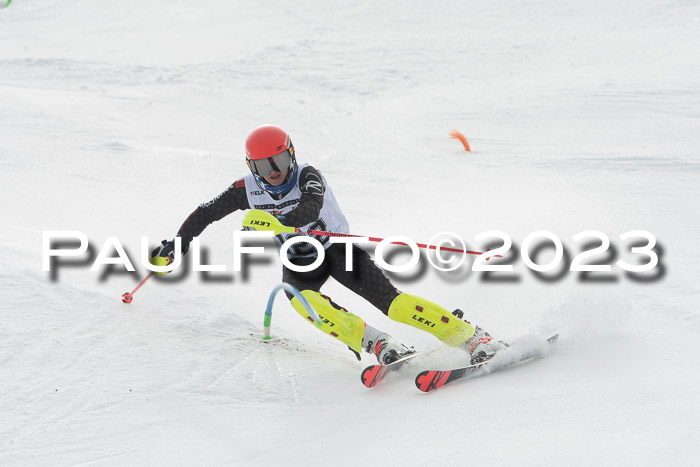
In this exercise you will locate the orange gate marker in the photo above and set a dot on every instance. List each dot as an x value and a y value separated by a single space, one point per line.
457 135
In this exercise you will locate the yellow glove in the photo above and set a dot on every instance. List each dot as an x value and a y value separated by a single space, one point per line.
163 255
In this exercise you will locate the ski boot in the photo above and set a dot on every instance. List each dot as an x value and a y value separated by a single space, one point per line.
381 344
481 346
388 350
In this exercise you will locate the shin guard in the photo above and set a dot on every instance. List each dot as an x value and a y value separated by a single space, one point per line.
430 317
337 321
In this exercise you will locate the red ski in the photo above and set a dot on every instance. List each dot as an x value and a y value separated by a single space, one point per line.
374 374
430 380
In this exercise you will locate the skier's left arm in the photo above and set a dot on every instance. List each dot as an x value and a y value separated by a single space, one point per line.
311 201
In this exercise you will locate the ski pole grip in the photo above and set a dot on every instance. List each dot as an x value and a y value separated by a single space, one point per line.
294 291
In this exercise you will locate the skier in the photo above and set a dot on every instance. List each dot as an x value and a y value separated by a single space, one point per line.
299 196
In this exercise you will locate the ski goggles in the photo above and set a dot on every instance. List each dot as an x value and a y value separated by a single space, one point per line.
279 162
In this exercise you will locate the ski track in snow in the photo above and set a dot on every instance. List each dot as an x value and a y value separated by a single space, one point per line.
119 119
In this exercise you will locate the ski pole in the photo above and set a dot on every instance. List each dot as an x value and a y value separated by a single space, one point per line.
256 219
128 297
377 239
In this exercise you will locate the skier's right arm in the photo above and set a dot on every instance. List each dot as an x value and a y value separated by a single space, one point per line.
233 199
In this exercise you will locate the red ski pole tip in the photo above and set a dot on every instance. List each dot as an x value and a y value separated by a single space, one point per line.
127 298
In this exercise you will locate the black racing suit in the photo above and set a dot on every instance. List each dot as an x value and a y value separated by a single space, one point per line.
366 279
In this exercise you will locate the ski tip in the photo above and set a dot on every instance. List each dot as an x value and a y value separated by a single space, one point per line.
430 380
372 375
553 339
422 380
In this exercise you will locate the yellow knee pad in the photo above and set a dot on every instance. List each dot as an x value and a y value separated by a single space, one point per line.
337 321
430 317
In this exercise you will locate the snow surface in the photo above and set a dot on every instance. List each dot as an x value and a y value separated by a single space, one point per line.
119 118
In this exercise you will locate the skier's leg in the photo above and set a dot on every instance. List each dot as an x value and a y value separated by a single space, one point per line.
310 280
337 321
350 329
366 278
448 327
430 317
369 281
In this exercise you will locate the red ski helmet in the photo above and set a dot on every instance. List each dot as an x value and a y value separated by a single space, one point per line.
268 148
266 141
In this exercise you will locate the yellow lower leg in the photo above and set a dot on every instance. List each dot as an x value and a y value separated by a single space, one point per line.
337 321
431 317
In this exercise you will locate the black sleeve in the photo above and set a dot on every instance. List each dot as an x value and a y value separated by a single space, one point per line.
233 199
311 201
